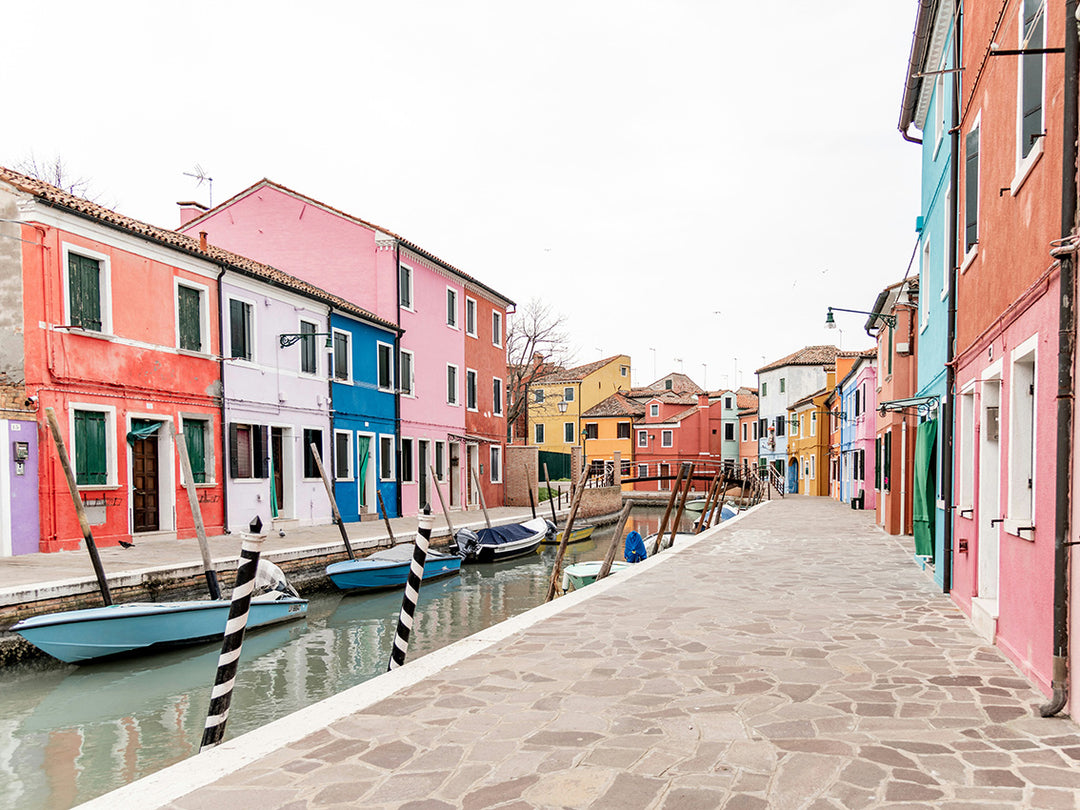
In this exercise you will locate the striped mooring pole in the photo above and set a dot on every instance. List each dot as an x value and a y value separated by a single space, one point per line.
221 696
412 589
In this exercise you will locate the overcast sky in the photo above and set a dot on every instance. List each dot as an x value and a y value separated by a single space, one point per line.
688 183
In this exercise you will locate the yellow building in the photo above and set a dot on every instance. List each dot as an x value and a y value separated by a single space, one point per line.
608 428
557 401
808 440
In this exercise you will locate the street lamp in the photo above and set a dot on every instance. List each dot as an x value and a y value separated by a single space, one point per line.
289 338
830 322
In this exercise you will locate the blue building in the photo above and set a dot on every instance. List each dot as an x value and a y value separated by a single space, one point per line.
928 108
364 358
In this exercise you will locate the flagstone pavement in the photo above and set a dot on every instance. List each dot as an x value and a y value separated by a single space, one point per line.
796 658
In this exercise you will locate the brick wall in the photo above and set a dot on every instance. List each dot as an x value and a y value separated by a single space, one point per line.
522 463
13 399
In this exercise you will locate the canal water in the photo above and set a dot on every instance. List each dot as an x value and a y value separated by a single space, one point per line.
69 734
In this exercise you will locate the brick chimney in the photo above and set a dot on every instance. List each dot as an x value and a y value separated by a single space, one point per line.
189 211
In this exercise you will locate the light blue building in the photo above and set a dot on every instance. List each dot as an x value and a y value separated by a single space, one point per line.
928 108
364 355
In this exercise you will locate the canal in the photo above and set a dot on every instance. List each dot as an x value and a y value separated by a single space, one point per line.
69 734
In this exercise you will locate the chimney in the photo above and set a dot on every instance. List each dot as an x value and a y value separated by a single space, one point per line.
202 240
189 211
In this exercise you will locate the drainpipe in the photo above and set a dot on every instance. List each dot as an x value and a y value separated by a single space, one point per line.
397 371
1066 337
903 472
224 426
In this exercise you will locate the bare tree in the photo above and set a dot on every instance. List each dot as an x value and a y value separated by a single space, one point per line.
55 172
536 343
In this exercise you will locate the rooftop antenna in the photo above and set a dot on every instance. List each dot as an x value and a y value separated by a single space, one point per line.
201 176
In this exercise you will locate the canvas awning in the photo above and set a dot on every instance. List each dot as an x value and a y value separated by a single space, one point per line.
142 429
924 489
924 406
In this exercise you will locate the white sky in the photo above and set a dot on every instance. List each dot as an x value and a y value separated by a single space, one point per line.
640 165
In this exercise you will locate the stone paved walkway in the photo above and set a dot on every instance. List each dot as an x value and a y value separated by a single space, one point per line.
794 659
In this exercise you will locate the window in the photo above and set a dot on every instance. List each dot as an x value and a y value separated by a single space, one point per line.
538 395
343 455
1022 435
405 286
495 470
470 389
470 317
754 428
309 363
496 396
877 463
622 430
966 463
924 300
642 438
727 403
813 423
624 371
386 366
342 356
729 432
196 432
440 461
241 315
779 426
793 423
538 430
406 463
91 448
744 431
451 384
568 393
248 451
568 432
1030 95
939 111
666 438
451 307
971 188
764 388
190 320
858 404
87 291
946 281
813 466
654 409
386 458
496 329
643 470
886 461
592 430
311 470
407 381
668 384
783 385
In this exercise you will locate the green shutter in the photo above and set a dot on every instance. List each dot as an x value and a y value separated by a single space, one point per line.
238 330
91 455
195 435
189 313
84 292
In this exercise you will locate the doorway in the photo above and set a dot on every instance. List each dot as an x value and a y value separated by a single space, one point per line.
365 474
455 474
472 473
145 486
793 475
279 447
423 449
985 603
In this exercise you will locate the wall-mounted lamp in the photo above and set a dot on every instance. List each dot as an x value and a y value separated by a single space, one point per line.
289 338
830 322
562 407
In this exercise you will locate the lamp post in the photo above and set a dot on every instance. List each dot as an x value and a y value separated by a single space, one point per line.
830 322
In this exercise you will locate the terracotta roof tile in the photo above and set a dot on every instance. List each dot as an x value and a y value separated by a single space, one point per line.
615 405
575 374
806 356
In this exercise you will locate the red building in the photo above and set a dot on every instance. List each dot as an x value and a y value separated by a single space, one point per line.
120 337
670 432
485 354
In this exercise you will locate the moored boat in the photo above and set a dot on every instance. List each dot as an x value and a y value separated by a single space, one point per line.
389 569
500 542
581 574
133 628
576 536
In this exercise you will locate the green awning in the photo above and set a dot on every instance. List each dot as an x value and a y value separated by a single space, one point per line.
925 489
142 429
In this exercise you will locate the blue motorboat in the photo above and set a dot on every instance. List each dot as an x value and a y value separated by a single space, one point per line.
389 569
133 628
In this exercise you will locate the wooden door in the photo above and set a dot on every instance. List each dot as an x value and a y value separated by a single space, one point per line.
277 470
144 483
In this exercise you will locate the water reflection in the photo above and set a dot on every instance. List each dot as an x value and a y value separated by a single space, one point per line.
68 734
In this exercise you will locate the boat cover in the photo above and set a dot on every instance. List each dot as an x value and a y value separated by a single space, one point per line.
635 548
510 533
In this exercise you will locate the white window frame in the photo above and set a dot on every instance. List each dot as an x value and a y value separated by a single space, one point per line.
407 448
495 468
391 455
300 344
539 433
642 470
727 403
104 287
643 438
965 467
573 436
470 306
743 431
204 313
924 300
453 317
439 460
939 110
410 378
252 331
208 447
111 453
408 271
971 252
813 466
379 345
348 379
654 409
1023 430
351 473
568 393
452 397
1024 165
497 402
475 407
667 438
496 328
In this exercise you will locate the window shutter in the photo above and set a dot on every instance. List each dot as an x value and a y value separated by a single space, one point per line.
234 455
91 455
1032 67
238 330
195 437
971 189
259 454
84 291
190 316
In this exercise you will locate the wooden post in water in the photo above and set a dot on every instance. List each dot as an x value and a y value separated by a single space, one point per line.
706 512
680 510
442 501
575 501
616 541
385 517
667 512
80 510
551 500
532 501
333 501
480 492
196 512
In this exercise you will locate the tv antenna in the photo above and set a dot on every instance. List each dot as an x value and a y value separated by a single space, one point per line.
201 176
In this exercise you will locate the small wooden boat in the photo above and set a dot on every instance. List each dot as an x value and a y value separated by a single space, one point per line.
696 506
500 542
650 540
576 536
581 574
135 628
389 569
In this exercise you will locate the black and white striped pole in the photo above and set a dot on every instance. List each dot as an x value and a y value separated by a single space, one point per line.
221 696
412 589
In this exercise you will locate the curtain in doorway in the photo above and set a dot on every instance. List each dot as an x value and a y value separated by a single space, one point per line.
363 444
925 489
